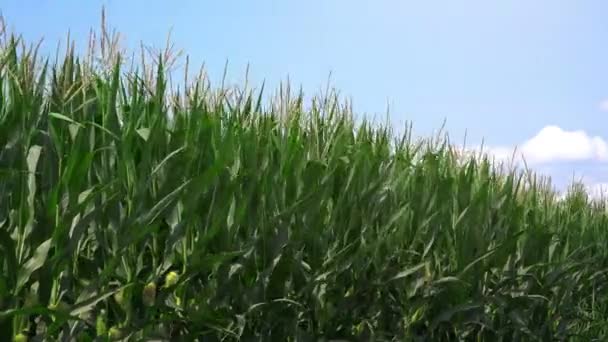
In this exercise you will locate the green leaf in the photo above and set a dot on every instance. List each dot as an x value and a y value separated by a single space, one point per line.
32 162
34 263
65 118
86 304
161 205
448 315
231 210
408 272
144 133
167 158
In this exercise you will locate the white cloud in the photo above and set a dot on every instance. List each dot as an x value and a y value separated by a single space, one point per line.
595 191
553 144
501 153
564 156
598 190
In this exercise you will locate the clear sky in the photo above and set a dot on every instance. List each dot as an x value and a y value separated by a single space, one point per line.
517 72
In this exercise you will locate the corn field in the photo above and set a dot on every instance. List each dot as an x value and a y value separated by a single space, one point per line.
133 209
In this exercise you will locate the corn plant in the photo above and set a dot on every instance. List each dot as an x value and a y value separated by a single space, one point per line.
132 209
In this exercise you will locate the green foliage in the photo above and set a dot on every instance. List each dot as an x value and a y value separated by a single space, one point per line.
130 211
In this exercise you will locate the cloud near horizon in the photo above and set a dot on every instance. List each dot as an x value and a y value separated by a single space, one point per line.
598 190
560 154
553 144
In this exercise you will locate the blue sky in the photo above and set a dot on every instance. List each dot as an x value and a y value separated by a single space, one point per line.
504 71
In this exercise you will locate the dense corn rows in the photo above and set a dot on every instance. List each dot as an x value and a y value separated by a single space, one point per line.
131 211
